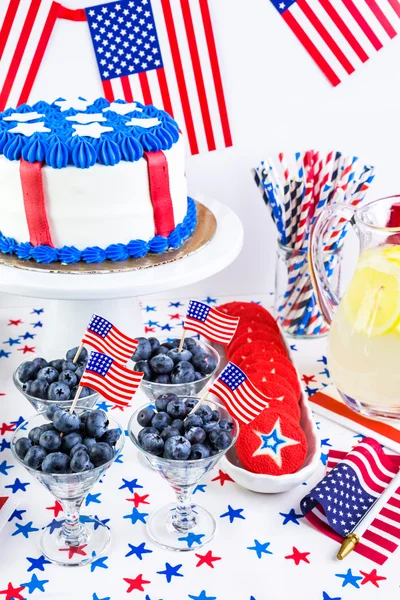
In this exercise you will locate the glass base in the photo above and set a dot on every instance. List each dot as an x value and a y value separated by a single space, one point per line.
144 461
93 542
373 411
162 531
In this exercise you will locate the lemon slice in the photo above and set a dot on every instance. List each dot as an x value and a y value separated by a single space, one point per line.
372 301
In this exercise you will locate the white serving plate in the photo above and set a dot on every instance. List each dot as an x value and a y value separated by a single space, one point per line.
274 484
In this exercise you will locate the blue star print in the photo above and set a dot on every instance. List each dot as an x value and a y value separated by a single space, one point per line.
149 308
35 584
4 445
98 522
233 513
96 597
324 360
103 406
38 324
4 467
18 485
27 336
170 572
55 525
293 348
119 459
24 529
266 441
291 517
349 578
325 442
260 548
211 300
203 596
324 459
99 562
37 311
136 516
200 488
151 323
93 498
138 550
311 391
175 304
12 342
18 423
131 485
37 563
4 354
191 538
325 596
17 514
167 326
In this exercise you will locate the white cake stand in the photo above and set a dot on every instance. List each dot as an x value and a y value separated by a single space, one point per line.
114 295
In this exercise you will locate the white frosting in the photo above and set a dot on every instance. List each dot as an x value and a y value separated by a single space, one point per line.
145 123
23 117
93 207
123 109
84 118
28 129
93 130
74 103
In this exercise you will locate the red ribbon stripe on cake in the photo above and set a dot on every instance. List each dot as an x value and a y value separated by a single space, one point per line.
34 202
160 193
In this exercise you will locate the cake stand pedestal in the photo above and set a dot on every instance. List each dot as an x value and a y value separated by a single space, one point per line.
74 297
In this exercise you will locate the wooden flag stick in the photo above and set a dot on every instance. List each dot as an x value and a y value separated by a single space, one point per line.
200 402
78 393
182 340
78 353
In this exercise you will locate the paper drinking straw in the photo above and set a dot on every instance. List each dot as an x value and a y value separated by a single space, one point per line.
284 165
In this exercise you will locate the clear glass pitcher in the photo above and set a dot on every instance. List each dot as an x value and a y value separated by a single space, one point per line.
364 337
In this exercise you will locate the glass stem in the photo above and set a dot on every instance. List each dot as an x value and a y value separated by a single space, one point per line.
183 517
73 532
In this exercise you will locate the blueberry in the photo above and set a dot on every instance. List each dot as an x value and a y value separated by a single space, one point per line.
154 343
83 355
69 441
210 426
162 401
198 351
66 422
178 424
145 416
80 461
111 436
163 379
84 393
190 343
79 372
152 443
27 386
56 364
26 371
199 451
183 373
47 427
198 376
190 403
213 434
48 374
178 357
160 350
161 363
89 442
177 448
205 412
68 365
40 363
161 420
76 448
101 453
68 377
39 389
50 440
223 440
215 415
35 456
143 350
226 424
51 410
143 432
168 432
142 366
177 409
56 462
58 391
22 446
193 420
176 342
167 345
204 364
34 435
195 435
96 423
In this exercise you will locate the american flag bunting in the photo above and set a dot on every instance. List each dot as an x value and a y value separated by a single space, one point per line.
104 337
210 323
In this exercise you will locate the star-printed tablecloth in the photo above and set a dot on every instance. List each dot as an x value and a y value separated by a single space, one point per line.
263 548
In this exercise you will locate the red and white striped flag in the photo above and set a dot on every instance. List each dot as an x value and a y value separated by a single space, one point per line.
113 381
214 325
240 396
103 336
341 35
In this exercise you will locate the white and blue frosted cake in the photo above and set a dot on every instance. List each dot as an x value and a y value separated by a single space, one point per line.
90 182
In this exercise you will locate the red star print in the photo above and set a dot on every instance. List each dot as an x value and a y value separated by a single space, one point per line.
26 349
5 427
308 379
117 406
74 550
15 322
207 559
177 316
136 584
298 556
149 329
57 509
137 499
12 593
372 577
1 394
222 477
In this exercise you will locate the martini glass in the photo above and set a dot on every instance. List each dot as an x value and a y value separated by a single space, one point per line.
74 543
182 525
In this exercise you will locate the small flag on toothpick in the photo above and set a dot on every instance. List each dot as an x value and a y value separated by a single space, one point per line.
103 336
209 322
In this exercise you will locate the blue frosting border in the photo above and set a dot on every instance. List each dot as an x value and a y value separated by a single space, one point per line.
114 252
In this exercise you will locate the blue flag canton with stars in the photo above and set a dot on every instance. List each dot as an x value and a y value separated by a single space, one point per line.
342 497
124 38
198 310
282 5
100 326
99 363
232 376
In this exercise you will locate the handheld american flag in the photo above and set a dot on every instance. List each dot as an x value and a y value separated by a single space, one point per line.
103 336
113 381
211 323
240 396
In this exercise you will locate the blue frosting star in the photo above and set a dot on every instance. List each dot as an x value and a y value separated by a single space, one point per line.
131 485
93 498
349 578
291 517
211 300
17 514
12 342
233 513
149 308
136 516
260 548
17 485
175 304
95 597
37 311
138 550
99 562
4 467
103 406
54 524
38 324
200 488
4 445
192 538
24 529
35 584
27 336
325 596
170 572
37 563
4 354
202 596
167 326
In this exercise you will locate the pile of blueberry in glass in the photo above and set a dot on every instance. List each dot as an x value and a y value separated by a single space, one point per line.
170 433
162 363
85 443
54 380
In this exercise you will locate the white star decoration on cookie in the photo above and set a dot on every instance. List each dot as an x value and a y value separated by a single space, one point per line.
29 129
272 443
93 130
